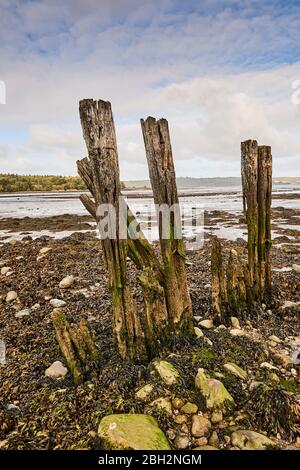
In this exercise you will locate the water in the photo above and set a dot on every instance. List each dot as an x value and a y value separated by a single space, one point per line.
211 199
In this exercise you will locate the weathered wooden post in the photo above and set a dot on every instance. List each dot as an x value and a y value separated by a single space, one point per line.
100 171
163 182
264 195
218 283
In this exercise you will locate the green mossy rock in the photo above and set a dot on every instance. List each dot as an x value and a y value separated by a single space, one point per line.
131 432
216 395
250 440
167 372
144 392
235 370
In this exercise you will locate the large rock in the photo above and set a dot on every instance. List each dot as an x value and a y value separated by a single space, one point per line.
57 370
167 372
235 370
250 440
66 282
200 426
216 395
131 432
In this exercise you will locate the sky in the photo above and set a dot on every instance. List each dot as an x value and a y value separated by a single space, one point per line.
220 71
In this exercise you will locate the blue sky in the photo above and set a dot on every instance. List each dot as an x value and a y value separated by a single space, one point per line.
219 71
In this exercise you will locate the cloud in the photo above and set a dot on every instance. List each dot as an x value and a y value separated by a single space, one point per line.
219 71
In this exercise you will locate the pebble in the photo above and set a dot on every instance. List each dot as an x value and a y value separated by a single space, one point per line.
198 332
189 408
23 313
206 324
66 282
235 323
35 307
267 365
56 370
274 339
11 296
45 250
296 267
181 442
180 419
200 426
237 332
5 270
216 417
57 303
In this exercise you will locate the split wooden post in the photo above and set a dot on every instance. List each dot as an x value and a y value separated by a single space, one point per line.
163 182
218 283
101 173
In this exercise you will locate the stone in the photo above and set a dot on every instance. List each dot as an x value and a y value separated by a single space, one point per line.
170 434
163 404
35 307
184 428
205 447
288 304
250 440
274 339
216 395
144 392
198 332
13 242
177 403
214 439
197 318
189 408
23 313
57 303
66 282
200 426
57 370
235 370
131 432
274 377
181 442
5 270
216 417
11 296
235 323
208 341
206 324
282 360
202 441
180 419
296 267
167 372
267 365
45 250
237 332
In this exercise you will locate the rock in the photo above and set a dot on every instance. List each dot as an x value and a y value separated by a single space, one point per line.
181 442
198 332
274 377
177 403
13 242
274 339
200 426
235 370
267 365
296 267
23 313
11 296
167 372
163 404
206 324
189 408
184 428
214 391
237 332
57 303
202 441
56 370
170 434
144 392
216 417
66 282
235 323
180 419
35 307
197 318
289 304
206 447
45 250
282 360
250 440
208 341
131 432
214 439
5 270
254 384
